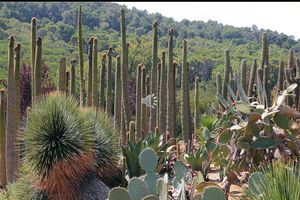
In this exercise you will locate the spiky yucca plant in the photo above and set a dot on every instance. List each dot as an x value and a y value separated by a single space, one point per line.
58 140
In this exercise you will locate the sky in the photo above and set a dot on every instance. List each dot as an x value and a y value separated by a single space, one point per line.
283 17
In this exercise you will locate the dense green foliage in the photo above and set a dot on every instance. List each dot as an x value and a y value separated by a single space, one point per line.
57 26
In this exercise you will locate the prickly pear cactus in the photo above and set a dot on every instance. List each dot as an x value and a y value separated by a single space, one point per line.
118 193
138 189
150 197
148 160
162 189
213 193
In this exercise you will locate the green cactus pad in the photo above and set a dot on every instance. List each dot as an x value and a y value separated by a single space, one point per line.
138 189
118 193
162 189
213 193
244 142
257 183
150 197
180 170
148 160
282 121
151 180
198 197
264 143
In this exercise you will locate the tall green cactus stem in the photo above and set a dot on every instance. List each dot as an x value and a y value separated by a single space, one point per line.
266 84
162 95
80 50
291 78
138 103
244 74
153 89
124 72
171 115
123 127
73 76
260 74
102 82
265 52
95 73
144 109
2 139
90 73
185 104
227 71
281 76
146 132
131 132
37 68
252 78
11 137
197 105
219 83
298 80
118 95
158 94
108 107
62 75
68 83
33 49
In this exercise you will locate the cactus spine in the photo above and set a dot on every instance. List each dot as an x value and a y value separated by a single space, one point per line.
33 49
244 74
11 153
197 105
153 111
90 74
124 72
171 89
185 104
118 95
131 133
227 71
102 82
81 62
37 68
2 139
73 76
62 75
95 73
108 107
138 104
252 78
162 95
144 110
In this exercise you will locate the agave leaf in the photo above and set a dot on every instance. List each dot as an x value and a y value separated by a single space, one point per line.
242 94
232 94
291 87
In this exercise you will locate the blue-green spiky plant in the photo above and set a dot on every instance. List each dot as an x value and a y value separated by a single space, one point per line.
58 140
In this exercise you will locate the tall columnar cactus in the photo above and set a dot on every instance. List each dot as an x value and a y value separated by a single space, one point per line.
291 78
123 127
144 109
73 76
90 74
244 74
67 82
95 73
118 95
33 49
2 139
252 78
171 115
11 137
281 76
266 84
37 68
219 83
153 111
131 132
197 104
227 71
102 82
108 107
62 75
185 104
158 94
138 103
265 52
162 95
124 71
81 62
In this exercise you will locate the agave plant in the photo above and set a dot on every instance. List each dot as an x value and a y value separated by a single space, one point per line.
277 181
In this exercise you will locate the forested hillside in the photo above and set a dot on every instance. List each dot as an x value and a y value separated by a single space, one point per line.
206 41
